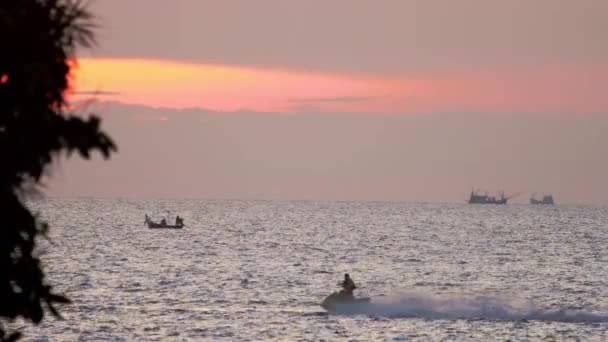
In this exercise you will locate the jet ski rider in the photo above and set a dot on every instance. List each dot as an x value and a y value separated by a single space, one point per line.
348 285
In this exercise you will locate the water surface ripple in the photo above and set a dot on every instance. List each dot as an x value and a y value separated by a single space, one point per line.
256 270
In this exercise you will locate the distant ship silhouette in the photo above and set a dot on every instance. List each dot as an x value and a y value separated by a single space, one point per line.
476 198
547 199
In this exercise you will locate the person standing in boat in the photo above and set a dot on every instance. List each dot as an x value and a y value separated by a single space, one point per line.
348 285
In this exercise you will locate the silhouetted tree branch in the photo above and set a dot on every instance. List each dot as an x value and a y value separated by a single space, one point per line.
38 39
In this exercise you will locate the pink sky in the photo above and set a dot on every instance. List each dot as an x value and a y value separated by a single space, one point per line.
419 56
547 89
497 94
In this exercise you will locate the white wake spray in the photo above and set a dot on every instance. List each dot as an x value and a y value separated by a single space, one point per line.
422 305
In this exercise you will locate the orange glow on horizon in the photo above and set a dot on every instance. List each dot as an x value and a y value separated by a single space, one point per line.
158 83
223 88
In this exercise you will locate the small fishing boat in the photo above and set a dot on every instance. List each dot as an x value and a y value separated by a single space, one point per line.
179 223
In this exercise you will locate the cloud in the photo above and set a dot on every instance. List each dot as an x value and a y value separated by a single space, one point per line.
339 99
371 36
97 92
323 104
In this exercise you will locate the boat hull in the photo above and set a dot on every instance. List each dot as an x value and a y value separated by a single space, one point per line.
152 225
545 200
341 300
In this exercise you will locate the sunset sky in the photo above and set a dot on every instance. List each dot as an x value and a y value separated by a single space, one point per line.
176 84
434 66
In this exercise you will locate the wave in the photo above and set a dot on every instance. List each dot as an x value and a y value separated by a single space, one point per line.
427 306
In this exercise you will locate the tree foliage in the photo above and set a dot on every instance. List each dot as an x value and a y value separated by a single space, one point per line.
38 39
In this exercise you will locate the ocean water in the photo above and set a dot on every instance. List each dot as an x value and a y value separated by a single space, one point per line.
257 270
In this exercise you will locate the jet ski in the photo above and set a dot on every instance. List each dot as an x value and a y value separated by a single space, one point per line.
341 299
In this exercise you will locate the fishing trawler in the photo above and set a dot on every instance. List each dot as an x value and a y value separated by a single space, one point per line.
547 199
476 198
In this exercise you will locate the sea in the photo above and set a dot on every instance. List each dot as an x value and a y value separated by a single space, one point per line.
257 270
